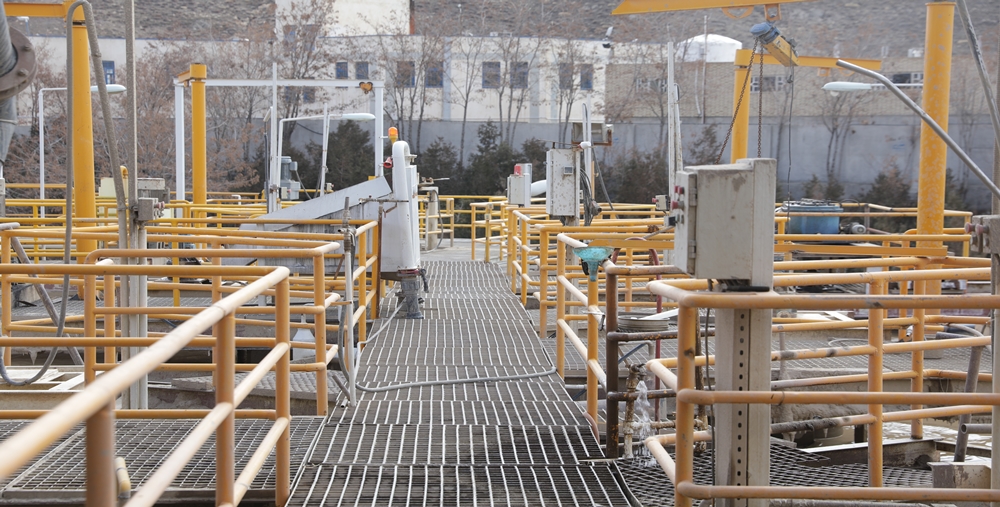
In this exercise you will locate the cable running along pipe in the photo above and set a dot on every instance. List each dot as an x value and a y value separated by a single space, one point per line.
95 52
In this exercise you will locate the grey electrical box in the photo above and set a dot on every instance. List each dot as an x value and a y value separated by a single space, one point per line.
562 177
519 185
155 188
720 211
601 134
289 186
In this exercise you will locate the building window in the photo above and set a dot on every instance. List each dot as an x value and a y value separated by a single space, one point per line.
340 70
565 76
519 75
309 94
769 84
406 74
658 85
586 76
491 74
908 78
434 76
109 71
361 70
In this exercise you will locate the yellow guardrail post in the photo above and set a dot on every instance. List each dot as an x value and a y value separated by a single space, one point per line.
225 434
89 327
917 358
282 402
593 342
687 336
876 338
101 487
7 295
560 310
524 249
319 328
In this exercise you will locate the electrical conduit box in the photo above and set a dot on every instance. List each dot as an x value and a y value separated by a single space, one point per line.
519 185
563 181
724 220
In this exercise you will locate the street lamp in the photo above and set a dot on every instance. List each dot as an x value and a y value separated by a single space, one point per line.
933 125
326 117
112 89
837 87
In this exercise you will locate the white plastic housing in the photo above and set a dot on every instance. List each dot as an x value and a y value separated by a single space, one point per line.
519 185
400 227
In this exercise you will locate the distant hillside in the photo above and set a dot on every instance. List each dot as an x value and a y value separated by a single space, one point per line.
857 28
862 28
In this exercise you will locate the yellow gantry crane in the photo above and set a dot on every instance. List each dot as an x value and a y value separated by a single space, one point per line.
935 101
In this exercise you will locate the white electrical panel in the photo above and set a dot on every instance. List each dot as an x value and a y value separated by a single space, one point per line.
724 220
519 185
563 183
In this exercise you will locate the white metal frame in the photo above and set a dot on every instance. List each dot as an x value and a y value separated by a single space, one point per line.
378 88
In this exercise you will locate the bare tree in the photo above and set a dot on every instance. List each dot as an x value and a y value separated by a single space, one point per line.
467 54
302 52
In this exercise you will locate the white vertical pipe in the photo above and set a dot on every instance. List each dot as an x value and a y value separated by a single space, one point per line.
179 145
588 153
379 130
326 143
41 149
271 185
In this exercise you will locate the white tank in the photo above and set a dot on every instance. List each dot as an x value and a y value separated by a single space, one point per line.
720 49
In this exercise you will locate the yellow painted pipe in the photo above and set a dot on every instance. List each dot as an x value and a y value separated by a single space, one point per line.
936 94
84 186
199 134
741 125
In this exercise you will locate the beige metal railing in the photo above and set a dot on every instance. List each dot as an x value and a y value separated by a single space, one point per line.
95 404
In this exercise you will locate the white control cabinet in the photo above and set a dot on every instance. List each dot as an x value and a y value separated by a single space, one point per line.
563 180
724 218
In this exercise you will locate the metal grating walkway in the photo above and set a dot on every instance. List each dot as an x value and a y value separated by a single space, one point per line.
59 474
516 442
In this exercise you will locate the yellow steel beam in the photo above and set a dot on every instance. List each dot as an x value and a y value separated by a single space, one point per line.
33 10
647 6
820 62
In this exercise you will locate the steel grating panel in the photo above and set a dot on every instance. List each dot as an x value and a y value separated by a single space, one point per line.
537 389
789 467
458 333
455 445
302 383
145 444
511 413
455 356
435 307
387 376
445 486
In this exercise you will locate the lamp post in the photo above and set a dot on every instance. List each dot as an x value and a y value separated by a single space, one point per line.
113 88
275 175
837 87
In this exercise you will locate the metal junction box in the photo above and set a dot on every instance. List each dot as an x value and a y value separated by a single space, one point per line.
519 185
724 217
563 182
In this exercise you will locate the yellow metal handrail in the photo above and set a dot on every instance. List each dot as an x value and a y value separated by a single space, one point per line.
95 404
689 301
